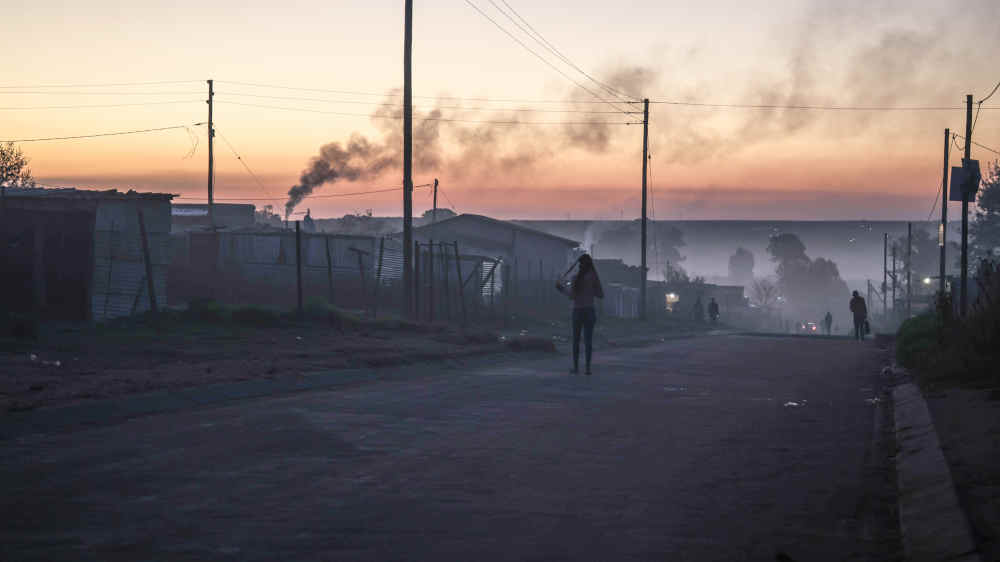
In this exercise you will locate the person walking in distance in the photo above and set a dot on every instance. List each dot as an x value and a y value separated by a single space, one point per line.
828 323
860 311
713 311
585 287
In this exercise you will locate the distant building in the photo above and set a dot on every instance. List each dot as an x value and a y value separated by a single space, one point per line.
530 254
194 216
71 254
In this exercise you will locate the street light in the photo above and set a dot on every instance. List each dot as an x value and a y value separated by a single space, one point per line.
927 280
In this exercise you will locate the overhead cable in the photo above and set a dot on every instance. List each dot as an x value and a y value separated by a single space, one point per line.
540 57
397 105
442 119
112 134
537 37
100 105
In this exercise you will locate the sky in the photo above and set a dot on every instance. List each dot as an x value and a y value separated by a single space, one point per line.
513 137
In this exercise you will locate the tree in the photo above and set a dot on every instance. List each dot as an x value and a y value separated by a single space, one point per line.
441 214
14 171
985 228
764 293
811 288
741 266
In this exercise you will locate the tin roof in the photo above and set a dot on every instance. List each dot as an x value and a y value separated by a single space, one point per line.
74 193
505 224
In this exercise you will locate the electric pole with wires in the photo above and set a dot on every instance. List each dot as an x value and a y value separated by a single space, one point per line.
408 160
645 166
963 294
943 228
211 158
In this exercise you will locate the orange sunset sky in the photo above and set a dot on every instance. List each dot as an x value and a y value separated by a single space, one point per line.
293 76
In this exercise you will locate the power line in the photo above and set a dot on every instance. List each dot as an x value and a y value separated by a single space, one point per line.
246 166
101 105
455 107
388 95
979 106
103 85
324 196
810 107
982 146
448 199
442 119
540 57
65 93
95 135
538 38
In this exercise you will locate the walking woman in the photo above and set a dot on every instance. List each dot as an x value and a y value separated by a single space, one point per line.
586 286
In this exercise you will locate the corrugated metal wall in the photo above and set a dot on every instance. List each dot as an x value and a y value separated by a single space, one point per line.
119 282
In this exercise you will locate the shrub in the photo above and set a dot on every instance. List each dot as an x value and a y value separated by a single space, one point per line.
916 340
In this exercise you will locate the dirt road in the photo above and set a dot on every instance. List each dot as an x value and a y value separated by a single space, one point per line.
724 448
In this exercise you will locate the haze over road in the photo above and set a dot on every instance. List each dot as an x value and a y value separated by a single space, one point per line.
680 451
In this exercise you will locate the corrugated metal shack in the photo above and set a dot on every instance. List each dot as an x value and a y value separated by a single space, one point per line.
257 266
73 254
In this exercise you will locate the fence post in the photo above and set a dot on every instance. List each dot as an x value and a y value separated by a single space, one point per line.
430 279
148 261
461 286
506 295
378 277
447 293
329 268
298 270
416 281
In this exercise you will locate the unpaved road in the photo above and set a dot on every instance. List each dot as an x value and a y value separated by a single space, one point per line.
681 451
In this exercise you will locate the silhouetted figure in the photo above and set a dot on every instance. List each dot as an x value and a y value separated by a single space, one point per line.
698 311
828 322
713 311
586 286
860 311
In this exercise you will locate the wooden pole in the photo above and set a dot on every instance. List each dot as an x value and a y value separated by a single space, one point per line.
447 274
434 213
461 285
298 271
416 280
329 269
378 276
909 269
645 165
885 272
943 232
211 158
430 281
147 259
408 257
964 294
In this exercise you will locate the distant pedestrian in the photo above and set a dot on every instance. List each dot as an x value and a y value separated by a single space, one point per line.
828 322
698 311
586 286
860 312
713 311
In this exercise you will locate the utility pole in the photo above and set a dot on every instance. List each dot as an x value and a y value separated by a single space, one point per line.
885 272
211 159
943 229
434 213
408 158
964 299
894 279
645 165
909 269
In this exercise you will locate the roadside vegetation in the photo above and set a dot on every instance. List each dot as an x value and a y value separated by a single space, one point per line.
944 349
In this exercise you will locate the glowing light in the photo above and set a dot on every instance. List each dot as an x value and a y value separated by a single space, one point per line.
927 280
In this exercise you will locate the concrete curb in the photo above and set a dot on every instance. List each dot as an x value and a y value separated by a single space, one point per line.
931 521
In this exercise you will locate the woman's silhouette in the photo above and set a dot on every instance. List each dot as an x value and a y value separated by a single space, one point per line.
585 287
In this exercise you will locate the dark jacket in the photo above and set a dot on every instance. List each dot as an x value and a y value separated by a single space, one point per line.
859 308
